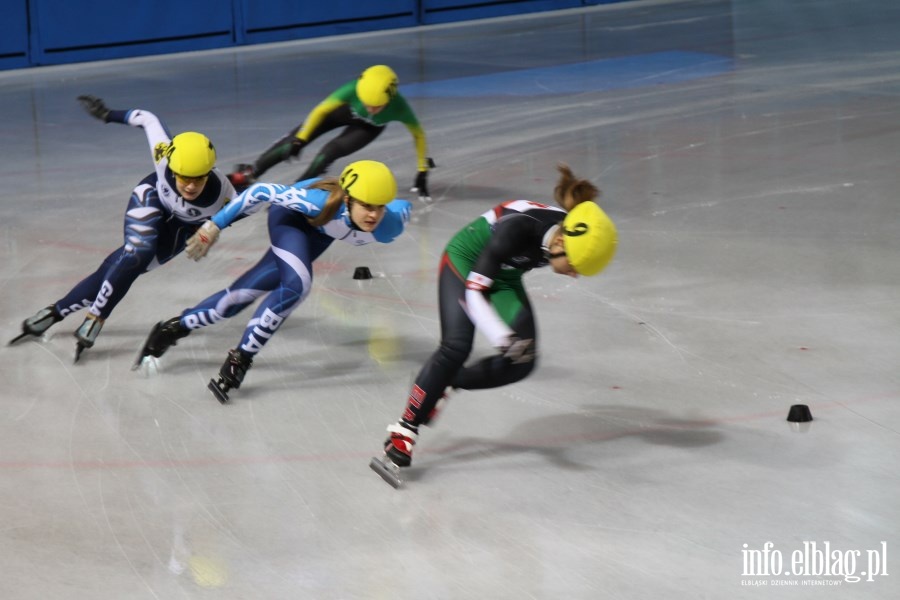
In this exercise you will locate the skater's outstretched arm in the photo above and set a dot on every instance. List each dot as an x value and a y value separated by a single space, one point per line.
156 131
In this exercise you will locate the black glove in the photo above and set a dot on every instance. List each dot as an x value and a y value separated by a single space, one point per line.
296 146
421 186
95 107
519 351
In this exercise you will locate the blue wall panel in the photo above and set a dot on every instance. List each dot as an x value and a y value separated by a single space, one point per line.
44 32
276 20
14 35
70 31
444 11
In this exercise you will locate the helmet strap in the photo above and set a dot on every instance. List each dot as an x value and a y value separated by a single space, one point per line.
349 200
555 237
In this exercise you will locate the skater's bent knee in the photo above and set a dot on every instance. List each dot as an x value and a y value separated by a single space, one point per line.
454 352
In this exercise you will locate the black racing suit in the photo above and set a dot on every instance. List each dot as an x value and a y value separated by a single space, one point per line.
488 257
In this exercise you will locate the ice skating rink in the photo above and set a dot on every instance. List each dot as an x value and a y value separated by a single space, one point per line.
747 150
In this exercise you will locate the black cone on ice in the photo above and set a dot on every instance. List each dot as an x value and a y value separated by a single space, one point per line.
799 413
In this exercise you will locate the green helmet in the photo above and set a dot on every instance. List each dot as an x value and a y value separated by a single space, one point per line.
191 154
376 86
369 181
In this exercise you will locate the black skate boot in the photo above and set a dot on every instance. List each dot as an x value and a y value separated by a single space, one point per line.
38 323
242 177
163 336
397 453
231 374
87 334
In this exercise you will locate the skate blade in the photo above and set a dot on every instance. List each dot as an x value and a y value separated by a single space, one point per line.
220 392
79 348
138 361
146 363
143 354
17 338
387 470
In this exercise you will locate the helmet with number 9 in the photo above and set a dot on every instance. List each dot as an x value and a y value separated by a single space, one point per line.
590 238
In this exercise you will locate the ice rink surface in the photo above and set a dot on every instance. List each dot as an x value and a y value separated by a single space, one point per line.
748 152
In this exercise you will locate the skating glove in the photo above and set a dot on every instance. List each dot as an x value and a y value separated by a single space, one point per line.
198 244
518 351
421 186
296 146
95 107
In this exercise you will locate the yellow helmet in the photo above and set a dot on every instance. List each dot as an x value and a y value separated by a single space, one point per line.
590 238
191 154
377 85
369 181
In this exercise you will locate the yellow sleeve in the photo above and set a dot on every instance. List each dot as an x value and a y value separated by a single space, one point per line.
421 145
316 116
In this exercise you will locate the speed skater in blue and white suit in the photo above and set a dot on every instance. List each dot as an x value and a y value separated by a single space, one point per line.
304 219
165 208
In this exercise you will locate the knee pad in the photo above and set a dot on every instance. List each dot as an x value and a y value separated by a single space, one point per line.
138 257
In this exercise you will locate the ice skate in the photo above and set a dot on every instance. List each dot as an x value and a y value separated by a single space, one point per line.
38 323
242 177
87 334
386 470
163 336
230 375
397 454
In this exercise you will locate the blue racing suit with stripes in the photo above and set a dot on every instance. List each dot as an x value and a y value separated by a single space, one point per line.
284 274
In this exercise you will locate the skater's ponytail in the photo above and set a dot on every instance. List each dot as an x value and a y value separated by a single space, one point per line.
571 191
332 204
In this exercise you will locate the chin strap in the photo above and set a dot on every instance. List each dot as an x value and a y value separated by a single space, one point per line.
353 225
547 242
